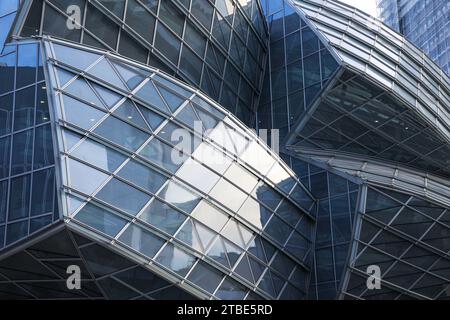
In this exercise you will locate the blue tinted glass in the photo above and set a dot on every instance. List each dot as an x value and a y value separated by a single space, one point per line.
7 67
3 201
5 26
19 198
163 216
101 219
42 192
39 223
142 176
22 152
24 110
5 145
6 108
123 196
43 147
16 231
121 133
26 64
141 240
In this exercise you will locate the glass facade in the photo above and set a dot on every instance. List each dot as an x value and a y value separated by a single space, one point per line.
300 66
27 174
127 146
132 131
218 46
424 23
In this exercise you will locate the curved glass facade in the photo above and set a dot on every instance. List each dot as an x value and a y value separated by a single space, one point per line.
218 46
208 197
126 147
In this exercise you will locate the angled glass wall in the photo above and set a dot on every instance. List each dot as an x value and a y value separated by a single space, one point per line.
408 238
218 46
218 202
337 201
298 67
27 174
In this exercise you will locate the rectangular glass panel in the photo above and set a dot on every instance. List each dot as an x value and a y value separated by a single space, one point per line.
141 240
123 196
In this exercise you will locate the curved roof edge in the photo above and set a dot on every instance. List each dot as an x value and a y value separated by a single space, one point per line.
380 173
384 56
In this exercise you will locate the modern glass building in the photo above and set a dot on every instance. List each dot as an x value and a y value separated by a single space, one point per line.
426 23
127 148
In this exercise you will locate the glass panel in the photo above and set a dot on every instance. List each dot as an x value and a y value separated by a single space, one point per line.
43 147
80 114
231 290
3 203
73 57
228 195
197 175
77 177
43 190
265 194
210 216
141 240
123 196
24 109
19 198
100 25
53 20
100 219
6 109
153 119
171 16
203 11
26 64
162 216
176 259
163 155
212 157
150 95
5 145
132 76
42 112
278 230
127 111
241 177
140 20
99 155
104 71
205 277
179 196
172 100
121 133
255 213
142 176
22 152
16 231
167 44
80 89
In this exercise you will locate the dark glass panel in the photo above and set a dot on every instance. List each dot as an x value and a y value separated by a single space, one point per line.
140 20
24 109
26 64
43 150
22 152
19 198
101 26
42 192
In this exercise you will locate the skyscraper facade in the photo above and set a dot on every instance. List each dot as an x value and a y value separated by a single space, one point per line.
128 150
426 23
